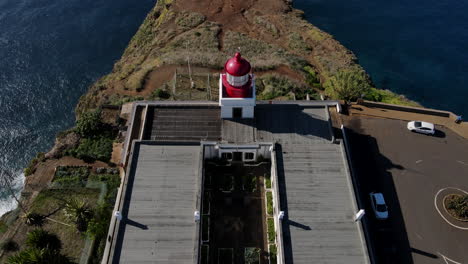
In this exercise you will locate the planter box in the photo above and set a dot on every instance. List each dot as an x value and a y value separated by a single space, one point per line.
249 183
205 254
227 183
206 203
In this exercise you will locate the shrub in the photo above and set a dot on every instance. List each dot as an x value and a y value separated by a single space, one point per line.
271 230
89 124
268 181
71 175
91 149
38 256
112 182
79 213
40 157
250 183
348 85
273 252
9 245
42 239
252 255
311 77
117 99
386 96
99 224
273 86
296 42
459 204
3 227
189 20
269 197
162 94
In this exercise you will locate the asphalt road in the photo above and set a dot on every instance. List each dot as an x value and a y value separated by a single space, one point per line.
410 169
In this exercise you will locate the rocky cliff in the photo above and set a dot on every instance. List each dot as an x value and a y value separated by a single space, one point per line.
271 34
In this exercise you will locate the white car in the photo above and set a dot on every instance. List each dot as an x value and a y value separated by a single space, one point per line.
421 127
379 206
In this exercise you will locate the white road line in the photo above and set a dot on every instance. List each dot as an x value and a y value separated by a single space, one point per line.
437 208
418 161
449 261
420 237
461 162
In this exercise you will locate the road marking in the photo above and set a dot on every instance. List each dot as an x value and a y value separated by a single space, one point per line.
437 208
461 162
449 261
418 161
420 237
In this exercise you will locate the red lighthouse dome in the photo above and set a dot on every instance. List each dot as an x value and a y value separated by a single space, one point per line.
237 80
237 66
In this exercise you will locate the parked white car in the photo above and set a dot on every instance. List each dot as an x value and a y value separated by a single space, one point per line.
421 127
379 206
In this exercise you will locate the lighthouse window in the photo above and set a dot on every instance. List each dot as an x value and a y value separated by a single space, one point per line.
237 80
226 155
248 156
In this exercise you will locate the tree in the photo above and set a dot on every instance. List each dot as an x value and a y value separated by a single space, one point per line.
42 239
99 225
39 256
89 124
78 212
348 85
32 218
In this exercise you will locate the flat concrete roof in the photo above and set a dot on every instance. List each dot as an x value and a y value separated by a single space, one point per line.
158 225
314 189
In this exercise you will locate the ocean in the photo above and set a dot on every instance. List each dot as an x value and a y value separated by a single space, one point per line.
415 48
51 51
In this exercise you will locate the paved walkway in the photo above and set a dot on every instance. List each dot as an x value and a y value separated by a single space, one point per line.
461 129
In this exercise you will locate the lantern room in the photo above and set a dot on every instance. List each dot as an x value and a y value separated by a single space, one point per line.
237 89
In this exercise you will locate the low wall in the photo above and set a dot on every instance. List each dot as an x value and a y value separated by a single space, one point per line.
410 109
276 210
357 202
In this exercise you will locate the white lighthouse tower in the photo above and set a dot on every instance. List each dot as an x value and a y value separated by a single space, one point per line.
237 89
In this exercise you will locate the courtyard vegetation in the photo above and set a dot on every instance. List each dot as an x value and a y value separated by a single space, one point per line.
96 138
457 206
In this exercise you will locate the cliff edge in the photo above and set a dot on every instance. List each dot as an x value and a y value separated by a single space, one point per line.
270 33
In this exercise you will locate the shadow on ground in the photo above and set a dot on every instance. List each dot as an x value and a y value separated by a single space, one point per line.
372 173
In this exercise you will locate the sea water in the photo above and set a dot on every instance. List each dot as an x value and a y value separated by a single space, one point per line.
50 52
417 48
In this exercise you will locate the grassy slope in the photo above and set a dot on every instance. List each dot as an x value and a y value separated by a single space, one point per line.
168 35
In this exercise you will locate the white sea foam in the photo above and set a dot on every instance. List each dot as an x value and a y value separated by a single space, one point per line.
7 202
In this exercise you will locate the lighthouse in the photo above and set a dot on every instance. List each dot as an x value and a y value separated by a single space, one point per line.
237 89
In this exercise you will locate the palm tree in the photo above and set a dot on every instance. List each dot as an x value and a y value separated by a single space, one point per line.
78 212
347 85
42 239
39 256
32 218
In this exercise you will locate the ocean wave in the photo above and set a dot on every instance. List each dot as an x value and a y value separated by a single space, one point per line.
7 201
